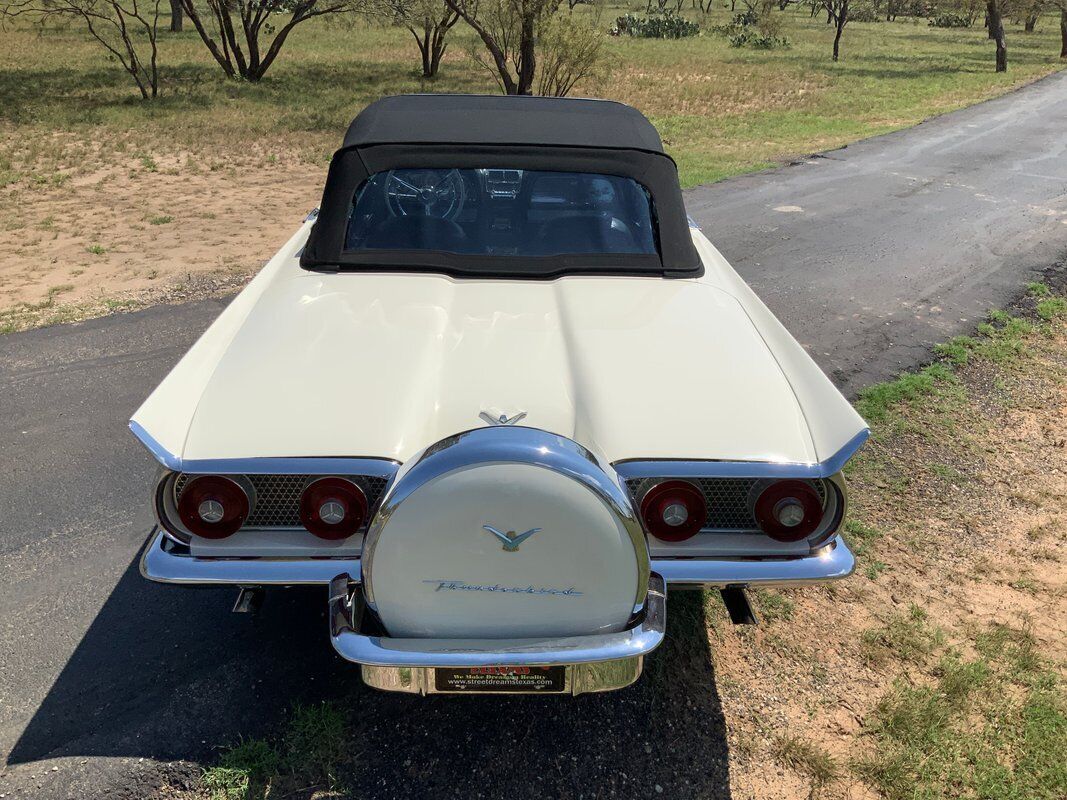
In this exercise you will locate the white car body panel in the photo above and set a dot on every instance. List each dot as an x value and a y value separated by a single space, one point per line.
382 365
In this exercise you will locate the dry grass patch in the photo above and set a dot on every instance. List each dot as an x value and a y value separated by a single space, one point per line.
937 669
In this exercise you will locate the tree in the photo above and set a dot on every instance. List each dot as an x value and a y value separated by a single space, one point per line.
1063 31
175 16
237 27
429 21
125 28
508 29
995 20
1062 6
570 49
837 13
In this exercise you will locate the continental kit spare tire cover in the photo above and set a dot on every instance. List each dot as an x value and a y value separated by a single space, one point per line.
505 532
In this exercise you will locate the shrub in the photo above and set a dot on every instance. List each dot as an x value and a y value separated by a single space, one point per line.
667 25
757 28
949 21
570 52
863 14
756 40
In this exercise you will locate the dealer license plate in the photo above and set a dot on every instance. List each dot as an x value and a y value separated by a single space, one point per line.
500 679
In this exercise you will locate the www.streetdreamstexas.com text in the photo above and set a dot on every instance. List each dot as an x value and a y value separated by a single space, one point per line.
462 586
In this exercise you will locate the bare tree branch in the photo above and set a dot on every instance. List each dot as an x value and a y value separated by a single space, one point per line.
237 29
121 27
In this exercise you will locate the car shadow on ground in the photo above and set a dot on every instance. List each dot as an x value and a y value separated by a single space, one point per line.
168 674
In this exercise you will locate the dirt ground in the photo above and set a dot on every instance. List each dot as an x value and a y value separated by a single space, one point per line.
124 231
972 531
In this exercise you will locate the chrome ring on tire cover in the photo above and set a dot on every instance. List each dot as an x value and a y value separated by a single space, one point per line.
510 444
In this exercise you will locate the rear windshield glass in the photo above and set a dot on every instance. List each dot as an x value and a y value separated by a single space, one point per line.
503 212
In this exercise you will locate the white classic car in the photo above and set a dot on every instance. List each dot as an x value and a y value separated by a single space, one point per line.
498 395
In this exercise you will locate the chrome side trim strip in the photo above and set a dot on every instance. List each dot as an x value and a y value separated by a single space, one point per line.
167 561
345 613
831 562
672 468
286 465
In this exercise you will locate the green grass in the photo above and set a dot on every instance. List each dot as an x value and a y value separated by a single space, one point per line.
992 727
876 402
308 754
905 638
1001 340
244 771
772 606
861 536
721 110
1052 307
806 757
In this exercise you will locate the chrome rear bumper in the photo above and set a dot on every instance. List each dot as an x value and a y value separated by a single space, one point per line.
165 561
595 663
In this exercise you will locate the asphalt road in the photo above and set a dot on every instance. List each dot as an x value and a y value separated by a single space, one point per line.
873 253
110 685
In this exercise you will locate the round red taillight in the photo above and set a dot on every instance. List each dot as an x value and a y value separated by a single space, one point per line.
789 511
333 508
213 506
673 511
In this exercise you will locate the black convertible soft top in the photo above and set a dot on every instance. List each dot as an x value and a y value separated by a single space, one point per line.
496 119
503 132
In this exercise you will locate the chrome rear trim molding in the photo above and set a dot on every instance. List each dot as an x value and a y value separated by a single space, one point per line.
833 561
674 468
158 451
324 465
167 561
346 612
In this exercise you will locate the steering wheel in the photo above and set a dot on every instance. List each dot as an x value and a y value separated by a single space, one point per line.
436 193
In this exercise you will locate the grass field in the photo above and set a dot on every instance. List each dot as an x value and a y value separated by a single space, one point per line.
723 110
110 203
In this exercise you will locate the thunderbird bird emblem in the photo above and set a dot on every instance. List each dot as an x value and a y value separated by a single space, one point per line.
501 419
510 540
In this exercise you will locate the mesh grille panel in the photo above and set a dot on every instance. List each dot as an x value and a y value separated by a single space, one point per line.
278 497
727 499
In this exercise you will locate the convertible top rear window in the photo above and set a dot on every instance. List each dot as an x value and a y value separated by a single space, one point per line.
501 212
532 188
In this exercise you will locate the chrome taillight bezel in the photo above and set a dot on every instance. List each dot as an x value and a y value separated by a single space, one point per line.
166 505
834 498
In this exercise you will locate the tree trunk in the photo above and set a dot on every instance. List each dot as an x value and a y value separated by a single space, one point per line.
176 16
424 50
1030 24
841 20
996 32
527 56
1063 32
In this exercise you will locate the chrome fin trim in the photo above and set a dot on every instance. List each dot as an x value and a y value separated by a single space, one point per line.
285 465
679 468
